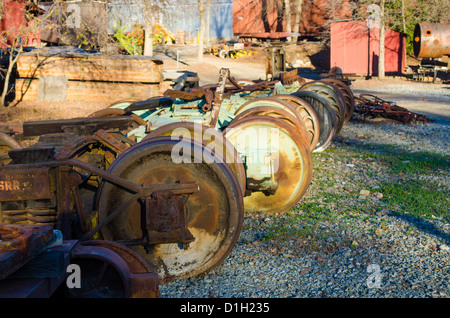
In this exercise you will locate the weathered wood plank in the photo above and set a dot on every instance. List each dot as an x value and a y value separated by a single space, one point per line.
28 90
92 67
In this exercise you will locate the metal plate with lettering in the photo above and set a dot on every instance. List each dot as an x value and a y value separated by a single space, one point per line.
25 184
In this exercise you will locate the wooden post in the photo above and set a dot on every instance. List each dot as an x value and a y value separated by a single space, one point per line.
148 43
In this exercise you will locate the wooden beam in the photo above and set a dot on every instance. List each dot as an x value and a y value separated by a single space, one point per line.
91 67
28 90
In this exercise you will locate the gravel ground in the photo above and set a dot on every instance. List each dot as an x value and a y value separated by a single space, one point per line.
343 240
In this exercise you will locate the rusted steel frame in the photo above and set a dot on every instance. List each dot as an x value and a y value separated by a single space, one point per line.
19 243
386 109
251 88
290 77
138 281
176 188
109 140
166 219
218 95
64 202
37 128
75 181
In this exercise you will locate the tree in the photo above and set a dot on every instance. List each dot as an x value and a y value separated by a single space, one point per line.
16 38
287 9
381 72
298 6
202 5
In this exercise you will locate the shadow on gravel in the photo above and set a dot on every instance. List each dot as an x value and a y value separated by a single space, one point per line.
410 191
424 226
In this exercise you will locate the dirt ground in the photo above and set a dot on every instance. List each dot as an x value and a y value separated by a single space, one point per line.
308 56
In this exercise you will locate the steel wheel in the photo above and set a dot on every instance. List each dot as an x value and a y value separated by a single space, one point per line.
111 270
275 112
278 103
218 140
348 94
334 97
326 115
214 214
268 101
308 115
292 169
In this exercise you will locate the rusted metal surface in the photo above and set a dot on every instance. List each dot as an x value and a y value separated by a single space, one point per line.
334 97
112 270
224 75
20 243
431 40
279 175
348 95
27 184
327 117
211 138
308 116
293 115
291 77
214 214
166 218
6 144
81 126
371 105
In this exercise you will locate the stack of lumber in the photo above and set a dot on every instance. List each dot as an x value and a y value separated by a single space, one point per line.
71 75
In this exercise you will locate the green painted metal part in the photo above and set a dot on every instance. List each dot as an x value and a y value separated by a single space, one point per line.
257 160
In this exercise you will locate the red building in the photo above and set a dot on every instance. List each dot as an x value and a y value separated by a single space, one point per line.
355 49
14 19
266 18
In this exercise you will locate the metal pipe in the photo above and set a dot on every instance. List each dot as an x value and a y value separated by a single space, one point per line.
431 40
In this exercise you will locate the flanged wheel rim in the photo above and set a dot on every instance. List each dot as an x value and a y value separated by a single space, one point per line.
214 214
348 94
326 115
308 115
294 169
334 97
203 134
278 103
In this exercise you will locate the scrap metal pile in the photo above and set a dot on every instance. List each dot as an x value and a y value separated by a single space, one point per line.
162 185
371 105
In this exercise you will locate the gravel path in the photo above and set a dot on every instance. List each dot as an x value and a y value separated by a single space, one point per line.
351 245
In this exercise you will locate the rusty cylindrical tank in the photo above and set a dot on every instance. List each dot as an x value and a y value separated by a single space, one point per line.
431 40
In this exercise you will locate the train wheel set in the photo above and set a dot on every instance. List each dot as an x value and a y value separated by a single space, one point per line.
170 179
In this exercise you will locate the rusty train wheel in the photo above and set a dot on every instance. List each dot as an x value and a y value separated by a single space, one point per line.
268 101
210 138
111 270
334 97
308 115
292 171
214 214
348 95
278 103
326 115
275 112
